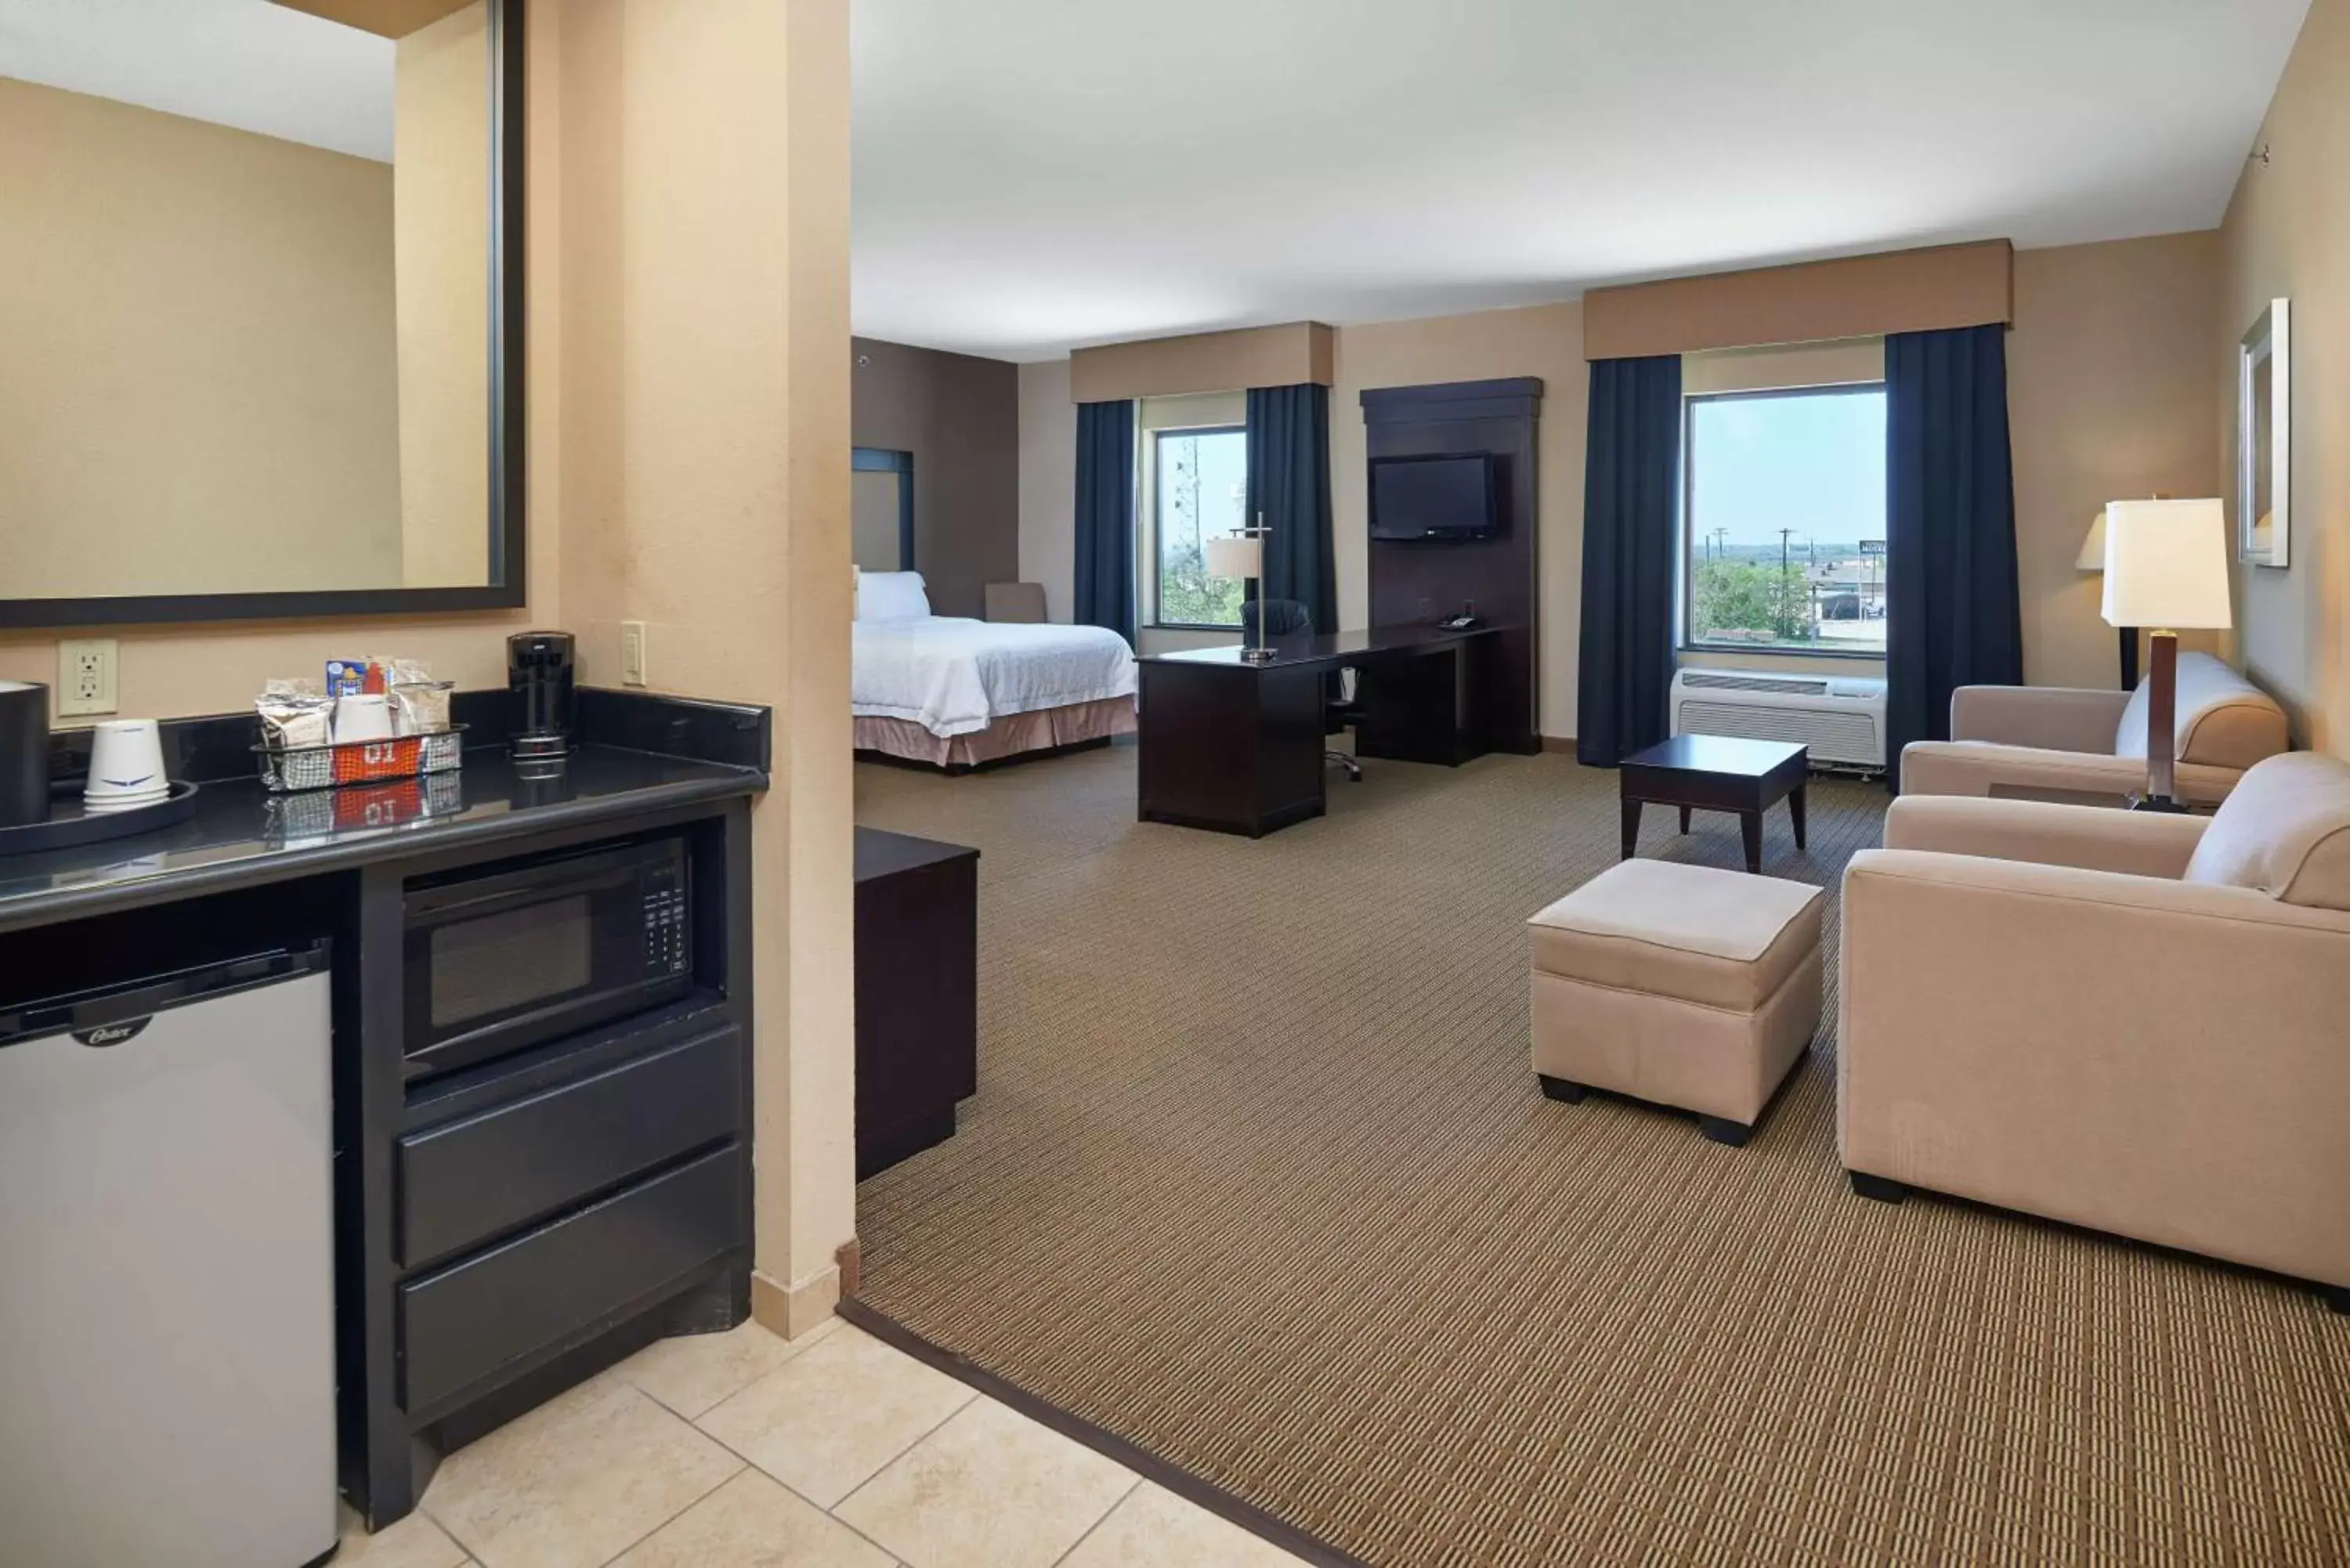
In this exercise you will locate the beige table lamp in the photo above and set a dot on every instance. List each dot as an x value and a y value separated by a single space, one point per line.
1243 556
2166 568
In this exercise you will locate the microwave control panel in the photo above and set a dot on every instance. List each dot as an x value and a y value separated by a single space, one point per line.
666 939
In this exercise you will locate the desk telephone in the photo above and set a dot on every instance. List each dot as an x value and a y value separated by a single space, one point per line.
1465 621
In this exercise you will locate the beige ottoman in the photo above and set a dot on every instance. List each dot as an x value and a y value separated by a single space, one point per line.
1678 984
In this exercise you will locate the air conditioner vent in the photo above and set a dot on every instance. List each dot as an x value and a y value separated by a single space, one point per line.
1840 719
1792 685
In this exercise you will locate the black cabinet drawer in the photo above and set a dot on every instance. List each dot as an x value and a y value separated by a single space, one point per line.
478 1177
459 1325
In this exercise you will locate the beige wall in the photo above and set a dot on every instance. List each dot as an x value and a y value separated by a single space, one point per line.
2109 397
705 396
440 204
2288 235
808 1207
197 383
1048 482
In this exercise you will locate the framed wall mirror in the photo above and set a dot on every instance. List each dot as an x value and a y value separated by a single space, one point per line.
260 338
2264 439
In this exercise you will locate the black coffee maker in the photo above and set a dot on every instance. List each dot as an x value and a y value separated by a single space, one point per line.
541 694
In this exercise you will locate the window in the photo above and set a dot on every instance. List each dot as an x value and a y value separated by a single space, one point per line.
1783 521
1200 490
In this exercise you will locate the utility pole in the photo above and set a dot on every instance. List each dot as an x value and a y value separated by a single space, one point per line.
1780 599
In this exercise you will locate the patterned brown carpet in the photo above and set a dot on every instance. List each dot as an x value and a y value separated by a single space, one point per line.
1258 1177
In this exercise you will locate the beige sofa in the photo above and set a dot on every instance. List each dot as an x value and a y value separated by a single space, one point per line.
2051 743
2132 1022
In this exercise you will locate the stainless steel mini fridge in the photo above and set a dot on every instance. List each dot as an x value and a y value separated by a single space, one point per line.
167 1336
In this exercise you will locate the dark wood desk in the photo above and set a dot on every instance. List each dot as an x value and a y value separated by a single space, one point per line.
916 993
1716 772
1237 747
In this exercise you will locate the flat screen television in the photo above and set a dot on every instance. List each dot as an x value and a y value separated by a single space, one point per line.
1449 496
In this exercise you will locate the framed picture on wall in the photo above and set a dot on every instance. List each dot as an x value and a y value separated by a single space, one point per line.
2264 439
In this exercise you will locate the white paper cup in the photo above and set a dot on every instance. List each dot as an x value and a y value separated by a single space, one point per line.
362 716
126 762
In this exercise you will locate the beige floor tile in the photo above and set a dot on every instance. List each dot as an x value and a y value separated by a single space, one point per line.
414 1542
1153 1527
753 1522
693 1372
576 1482
991 1489
830 1416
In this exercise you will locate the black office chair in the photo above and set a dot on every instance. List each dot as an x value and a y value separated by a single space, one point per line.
1287 617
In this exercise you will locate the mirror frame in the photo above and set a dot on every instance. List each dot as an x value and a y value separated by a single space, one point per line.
2265 352
506 520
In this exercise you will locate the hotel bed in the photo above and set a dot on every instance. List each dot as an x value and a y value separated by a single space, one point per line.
956 693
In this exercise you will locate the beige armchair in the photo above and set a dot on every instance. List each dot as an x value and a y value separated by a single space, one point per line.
2131 1022
2065 743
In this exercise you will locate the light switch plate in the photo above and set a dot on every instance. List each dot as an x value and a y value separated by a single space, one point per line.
632 653
86 676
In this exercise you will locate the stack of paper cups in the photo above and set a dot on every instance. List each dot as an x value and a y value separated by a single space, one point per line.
125 765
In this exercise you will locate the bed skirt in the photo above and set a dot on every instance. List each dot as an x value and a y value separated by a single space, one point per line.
1046 730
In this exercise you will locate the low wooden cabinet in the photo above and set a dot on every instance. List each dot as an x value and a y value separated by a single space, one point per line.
916 993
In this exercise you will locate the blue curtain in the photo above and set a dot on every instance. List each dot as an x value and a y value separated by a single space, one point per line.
1952 614
1631 516
1105 516
1289 485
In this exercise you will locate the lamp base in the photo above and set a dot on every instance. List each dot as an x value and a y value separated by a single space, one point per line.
1256 656
2161 803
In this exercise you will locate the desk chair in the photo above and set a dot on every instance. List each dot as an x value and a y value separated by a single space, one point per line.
1287 617
1019 603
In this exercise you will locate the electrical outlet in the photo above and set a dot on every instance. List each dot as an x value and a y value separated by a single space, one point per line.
85 677
632 653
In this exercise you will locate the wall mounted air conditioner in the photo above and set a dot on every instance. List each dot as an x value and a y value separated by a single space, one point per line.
1840 717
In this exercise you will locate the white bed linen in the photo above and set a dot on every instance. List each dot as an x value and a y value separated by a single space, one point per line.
954 676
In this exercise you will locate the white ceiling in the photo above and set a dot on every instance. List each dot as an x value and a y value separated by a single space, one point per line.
1036 174
246 63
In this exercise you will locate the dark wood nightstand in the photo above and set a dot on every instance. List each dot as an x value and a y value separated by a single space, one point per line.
916 993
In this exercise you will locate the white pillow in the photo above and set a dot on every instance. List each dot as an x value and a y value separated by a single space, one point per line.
891 596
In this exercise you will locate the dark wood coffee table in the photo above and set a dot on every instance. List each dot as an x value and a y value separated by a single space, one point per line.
1714 772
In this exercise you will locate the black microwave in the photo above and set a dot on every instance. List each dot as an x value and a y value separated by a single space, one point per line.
527 952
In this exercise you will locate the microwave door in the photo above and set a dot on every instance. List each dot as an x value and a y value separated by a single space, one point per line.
501 968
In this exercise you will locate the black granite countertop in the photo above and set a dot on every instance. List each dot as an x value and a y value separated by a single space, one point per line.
240 834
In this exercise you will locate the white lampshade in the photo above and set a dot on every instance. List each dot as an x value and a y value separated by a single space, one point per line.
2167 564
2091 557
1235 555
